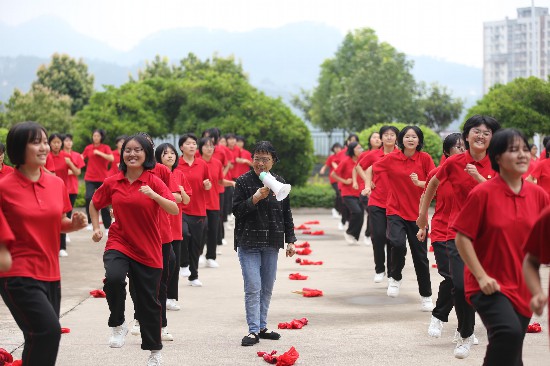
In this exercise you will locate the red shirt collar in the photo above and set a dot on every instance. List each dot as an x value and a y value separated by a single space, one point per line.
25 182
402 156
122 176
483 162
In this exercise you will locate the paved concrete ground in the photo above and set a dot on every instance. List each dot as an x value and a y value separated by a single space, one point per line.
355 323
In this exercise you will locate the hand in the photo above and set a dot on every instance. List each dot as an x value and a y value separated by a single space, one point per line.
207 184
472 170
97 235
290 250
261 193
372 185
97 152
112 214
366 192
67 159
421 234
488 285
148 191
79 220
414 178
5 259
538 303
348 181
355 185
421 221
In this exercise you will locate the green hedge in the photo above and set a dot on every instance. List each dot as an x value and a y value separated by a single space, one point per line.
312 195
81 198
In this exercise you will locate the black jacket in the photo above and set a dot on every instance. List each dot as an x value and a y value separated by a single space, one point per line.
266 224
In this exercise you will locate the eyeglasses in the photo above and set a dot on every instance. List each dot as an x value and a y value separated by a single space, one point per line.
460 147
485 133
137 150
262 160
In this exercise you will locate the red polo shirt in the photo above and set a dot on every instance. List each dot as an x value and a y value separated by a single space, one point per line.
97 168
113 167
50 165
498 222
443 206
6 169
195 173
235 153
542 173
328 163
462 182
135 231
175 220
344 170
61 166
33 211
164 173
542 154
215 170
379 195
6 235
243 167
72 180
403 195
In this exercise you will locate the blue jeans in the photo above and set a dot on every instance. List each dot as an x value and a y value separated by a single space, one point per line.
259 267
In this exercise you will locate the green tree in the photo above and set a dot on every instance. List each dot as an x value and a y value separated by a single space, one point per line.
523 103
69 77
438 106
40 104
366 82
433 144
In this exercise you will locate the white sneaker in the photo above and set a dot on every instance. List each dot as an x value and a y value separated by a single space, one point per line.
165 336
211 263
171 304
367 241
195 283
341 226
462 349
335 214
379 277
63 253
435 328
350 239
393 287
427 304
185 272
457 337
89 227
67 238
117 336
202 260
224 242
135 329
154 359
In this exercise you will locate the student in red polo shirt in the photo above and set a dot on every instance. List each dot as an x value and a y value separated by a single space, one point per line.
6 237
76 158
464 172
167 155
350 195
537 252
541 173
332 164
34 204
492 226
4 169
99 156
543 154
113 168
134 244
406 171
452 145
194 214
244 162
378 196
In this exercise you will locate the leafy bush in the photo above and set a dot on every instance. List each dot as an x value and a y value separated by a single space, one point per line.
312 195
433 144
81 198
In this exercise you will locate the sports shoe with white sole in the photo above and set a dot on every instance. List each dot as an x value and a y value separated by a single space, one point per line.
63 253
462 349
202 260
379 277
185 272
341 226
335 214
195 283
135 328
165 336
67 238
350 239
393 287
154 359
367 241
224 242
435 328
211 263
117 335
457 337
171 304
427 304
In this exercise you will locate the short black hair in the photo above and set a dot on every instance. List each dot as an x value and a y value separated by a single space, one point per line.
121 137
451 141
545 140
161 149
101 132
203 142
404 131
368 142
59 136
149 162
241 138
265 147
68 136
214 133
2 148
230 136
185 137
500 142
476 121
386 128
351 147
335 145
352 135
18 138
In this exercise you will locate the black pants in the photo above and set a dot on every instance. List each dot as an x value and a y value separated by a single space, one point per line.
146 282
91 187
444 302
380 245
365 202
228 202
34 306
357 215
63 241
465 313
337 198
399 230
193 228
174 278
221 232
505 329
211 233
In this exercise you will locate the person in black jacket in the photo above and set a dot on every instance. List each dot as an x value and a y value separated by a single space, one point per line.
262 225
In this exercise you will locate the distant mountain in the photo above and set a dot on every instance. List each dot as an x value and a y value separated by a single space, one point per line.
278 61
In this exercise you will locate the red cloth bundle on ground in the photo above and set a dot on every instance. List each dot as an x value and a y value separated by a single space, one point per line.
434 265
318 232
297 276
431 249
302 227
268 357
306 232
534 328
305 262
286 359
5 357
303 245
294 324
98 293
314 222
65 330
309 292
305 251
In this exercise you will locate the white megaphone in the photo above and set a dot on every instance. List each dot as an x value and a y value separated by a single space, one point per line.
281 190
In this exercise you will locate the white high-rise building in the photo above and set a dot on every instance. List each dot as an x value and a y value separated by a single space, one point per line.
513 48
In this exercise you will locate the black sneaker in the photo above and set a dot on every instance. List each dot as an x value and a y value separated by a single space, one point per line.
271 335
250 340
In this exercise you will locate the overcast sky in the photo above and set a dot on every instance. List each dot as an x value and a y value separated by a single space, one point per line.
446 29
